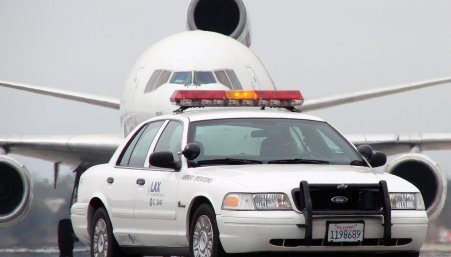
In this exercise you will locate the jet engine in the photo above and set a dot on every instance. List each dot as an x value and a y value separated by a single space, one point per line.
228 17
425 174
15 191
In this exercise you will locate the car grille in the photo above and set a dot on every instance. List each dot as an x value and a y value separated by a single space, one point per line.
360 199
347 200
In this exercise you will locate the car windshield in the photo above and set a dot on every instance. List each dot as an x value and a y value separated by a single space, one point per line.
270 140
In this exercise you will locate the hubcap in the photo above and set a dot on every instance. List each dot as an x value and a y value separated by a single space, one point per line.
100 239
203 237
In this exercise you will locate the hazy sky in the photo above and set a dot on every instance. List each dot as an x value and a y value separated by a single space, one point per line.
320 47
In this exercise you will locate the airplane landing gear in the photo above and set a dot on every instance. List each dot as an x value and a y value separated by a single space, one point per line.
65 238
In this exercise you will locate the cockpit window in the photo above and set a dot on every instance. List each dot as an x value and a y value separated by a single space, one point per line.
182 77
158 78
164 77
234 79
203 77
152 81
186 78
227 78
222 77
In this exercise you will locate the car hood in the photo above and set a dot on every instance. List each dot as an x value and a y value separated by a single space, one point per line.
268 177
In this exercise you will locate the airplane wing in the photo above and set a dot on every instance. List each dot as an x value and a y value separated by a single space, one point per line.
104 101
73 150
330 101
400 143
309 104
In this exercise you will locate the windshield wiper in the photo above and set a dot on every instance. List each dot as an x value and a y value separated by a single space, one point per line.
229 161
303 161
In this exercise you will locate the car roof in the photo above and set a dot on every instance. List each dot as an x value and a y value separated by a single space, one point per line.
238 112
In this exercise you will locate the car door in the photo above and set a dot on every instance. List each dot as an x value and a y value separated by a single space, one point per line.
123 183
155 199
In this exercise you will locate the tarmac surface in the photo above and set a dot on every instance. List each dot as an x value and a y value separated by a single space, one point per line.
427 251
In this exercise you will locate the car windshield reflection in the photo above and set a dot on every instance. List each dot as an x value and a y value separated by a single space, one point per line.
270 140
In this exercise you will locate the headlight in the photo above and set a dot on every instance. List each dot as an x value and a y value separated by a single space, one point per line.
406 201
238 202
264 201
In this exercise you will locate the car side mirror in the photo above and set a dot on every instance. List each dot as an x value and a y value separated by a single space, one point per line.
378 159
164 159
375 158
191 151
366 150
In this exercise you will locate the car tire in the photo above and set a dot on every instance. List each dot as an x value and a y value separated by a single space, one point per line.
65 238
204 234
103 242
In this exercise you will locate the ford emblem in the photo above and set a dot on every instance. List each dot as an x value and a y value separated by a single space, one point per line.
339 199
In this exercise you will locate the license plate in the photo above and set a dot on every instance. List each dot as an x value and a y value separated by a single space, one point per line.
345 232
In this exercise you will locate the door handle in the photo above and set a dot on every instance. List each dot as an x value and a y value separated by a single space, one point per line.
140 181
110 180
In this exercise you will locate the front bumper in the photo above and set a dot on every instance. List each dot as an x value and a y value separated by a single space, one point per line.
282 231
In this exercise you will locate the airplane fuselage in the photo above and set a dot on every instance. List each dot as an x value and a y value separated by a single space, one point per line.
188 60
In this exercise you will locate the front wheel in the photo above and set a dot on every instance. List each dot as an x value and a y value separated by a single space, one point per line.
204 234
103 243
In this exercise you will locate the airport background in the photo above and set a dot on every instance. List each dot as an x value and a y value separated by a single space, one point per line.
321 47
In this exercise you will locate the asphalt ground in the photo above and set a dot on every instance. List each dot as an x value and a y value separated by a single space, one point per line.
442 250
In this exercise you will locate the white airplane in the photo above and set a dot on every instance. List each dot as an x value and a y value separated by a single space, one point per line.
208 56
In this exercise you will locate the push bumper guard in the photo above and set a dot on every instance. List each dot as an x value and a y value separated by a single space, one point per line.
309 213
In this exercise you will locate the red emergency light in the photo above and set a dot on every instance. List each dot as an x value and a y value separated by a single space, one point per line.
289 99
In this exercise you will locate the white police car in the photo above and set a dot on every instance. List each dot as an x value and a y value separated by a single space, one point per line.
212 182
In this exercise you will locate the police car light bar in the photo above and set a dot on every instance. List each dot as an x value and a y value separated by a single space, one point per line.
290 99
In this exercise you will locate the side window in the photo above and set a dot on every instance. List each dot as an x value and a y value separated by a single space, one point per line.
222 77
125 156
152 81
136 152
234 79
164 77
171 139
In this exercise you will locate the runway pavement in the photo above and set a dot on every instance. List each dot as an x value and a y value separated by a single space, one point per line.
427 251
